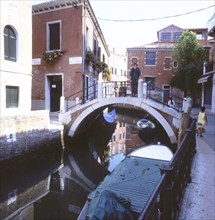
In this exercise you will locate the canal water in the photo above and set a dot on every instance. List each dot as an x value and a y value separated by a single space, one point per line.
54 183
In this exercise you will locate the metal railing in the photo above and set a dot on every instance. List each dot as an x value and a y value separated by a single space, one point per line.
116 89
121 89
81 97
165 201
162 96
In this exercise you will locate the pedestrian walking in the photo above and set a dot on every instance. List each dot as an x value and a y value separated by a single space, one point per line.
134 74
201 121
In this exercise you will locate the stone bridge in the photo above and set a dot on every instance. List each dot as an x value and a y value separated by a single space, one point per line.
173 122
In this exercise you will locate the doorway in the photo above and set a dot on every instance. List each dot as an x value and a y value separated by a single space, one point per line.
55 92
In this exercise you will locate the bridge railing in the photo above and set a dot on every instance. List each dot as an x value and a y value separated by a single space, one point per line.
119 89
162 96
165 201
116 89
81 97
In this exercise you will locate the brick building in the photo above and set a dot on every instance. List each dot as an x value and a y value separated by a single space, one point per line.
156 60
68 31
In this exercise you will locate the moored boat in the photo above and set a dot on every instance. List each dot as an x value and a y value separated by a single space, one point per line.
145 124
125 191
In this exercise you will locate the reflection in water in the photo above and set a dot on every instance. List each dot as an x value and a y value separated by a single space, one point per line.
24 182
55 184
128 136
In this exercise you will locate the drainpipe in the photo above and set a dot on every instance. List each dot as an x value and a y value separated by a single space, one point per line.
203 95
83 52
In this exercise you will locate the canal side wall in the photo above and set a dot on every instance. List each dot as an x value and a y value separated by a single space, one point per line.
21 134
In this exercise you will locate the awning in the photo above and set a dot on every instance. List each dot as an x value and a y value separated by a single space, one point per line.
203 79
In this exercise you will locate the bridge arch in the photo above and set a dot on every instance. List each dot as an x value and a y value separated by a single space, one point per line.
136 102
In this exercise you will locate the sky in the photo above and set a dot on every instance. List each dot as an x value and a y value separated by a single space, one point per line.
133 23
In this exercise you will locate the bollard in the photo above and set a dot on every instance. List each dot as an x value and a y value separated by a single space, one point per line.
144 90
62 104
140 89
77 101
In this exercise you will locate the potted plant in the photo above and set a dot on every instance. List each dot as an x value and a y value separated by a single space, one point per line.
52 56
90 57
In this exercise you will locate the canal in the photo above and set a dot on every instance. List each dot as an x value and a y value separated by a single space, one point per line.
54 183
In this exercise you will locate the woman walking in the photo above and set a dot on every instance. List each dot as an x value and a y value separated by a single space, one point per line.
202 121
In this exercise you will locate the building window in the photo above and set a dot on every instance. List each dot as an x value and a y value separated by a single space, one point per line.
99 53
54 36
176 36
200 36
95 46
9 44
175 64
167 63
87 39
150 58
12 96
113 138
150 83
166 36
112 70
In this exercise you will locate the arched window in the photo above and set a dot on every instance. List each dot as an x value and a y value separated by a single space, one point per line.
9 44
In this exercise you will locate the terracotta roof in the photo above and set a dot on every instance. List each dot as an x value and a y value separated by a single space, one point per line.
53 5
156 45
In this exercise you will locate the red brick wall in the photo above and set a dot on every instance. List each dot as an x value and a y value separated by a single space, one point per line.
162 76
71 19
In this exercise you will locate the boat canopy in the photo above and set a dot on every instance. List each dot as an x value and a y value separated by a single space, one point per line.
159 152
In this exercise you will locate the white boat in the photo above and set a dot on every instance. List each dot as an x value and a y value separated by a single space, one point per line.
145 123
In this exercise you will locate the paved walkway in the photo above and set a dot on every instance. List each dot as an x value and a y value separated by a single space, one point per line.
199 198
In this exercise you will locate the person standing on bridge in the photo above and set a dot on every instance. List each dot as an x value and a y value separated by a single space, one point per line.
134 74
171 102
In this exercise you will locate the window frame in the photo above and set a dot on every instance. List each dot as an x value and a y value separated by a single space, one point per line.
95 46
9 100
175 64
150 61
200 36
10 44
87 39
176 36
166 36
48 35
165 63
